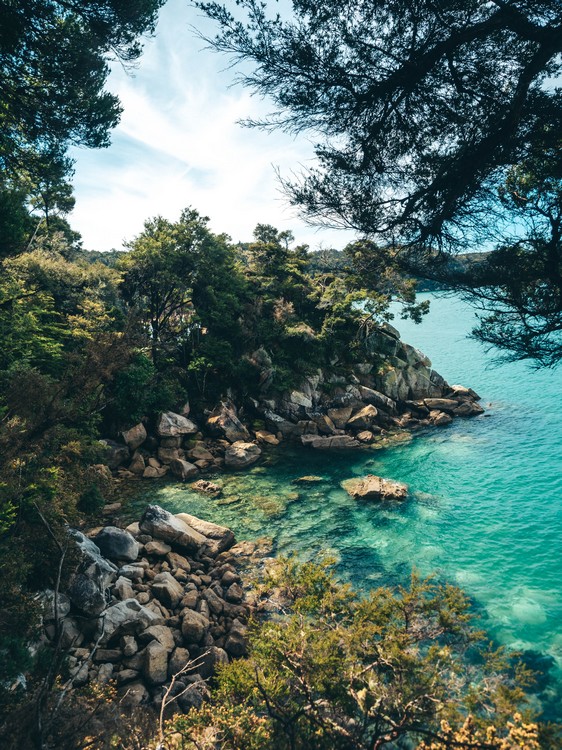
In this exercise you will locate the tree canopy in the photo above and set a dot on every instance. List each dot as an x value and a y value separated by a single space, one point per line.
421 111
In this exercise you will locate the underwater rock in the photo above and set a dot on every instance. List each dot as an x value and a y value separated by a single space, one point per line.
373 487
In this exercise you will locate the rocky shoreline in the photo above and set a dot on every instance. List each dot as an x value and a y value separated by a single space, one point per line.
394 390
155 607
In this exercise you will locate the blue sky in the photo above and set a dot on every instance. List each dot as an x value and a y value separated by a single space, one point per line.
179 144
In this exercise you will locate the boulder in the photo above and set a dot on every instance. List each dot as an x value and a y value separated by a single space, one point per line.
194 626
168 455
117 544
151 472
276 423
468 409
340 416
239 455
157 548
88 588
462 392
324 424
372 487
178 660
370 396
135 437
219 538
170 424
207 663
46 600
183 469
334 442
200 452
263 436
365 436
223 422
155 667
439 418
441 404
137 465
125 618
161 524
134 695
166 589
159 633
236 644
122 588
116 453
364 418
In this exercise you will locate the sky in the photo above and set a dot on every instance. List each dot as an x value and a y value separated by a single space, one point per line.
179 144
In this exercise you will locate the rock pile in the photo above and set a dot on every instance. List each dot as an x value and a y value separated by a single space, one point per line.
150 599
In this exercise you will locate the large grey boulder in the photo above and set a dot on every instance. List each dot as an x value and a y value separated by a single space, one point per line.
163 525
125 618
240 455
441 404
117 544
170 424
219 538
223 422
372 487
88 589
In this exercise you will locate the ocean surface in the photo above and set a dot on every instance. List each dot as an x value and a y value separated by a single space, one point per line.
486 505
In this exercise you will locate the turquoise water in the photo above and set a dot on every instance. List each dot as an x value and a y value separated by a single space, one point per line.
486 506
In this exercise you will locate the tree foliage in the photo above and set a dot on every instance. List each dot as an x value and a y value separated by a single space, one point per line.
395 668
423 112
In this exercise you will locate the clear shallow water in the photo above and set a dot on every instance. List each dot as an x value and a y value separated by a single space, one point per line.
486 510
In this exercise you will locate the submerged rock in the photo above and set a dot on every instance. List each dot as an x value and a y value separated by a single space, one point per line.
373 487
333 442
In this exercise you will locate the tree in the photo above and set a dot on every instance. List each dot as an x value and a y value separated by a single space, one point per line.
337 671
53 68
422 109
54 63
181 281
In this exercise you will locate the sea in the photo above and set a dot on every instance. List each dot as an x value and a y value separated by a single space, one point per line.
485 510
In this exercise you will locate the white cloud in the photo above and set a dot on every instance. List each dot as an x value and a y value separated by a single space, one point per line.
179 143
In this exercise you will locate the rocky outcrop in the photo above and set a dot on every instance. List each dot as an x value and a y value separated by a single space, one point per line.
168 608
372 487
335 408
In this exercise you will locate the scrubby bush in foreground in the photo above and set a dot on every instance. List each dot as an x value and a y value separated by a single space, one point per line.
398 668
